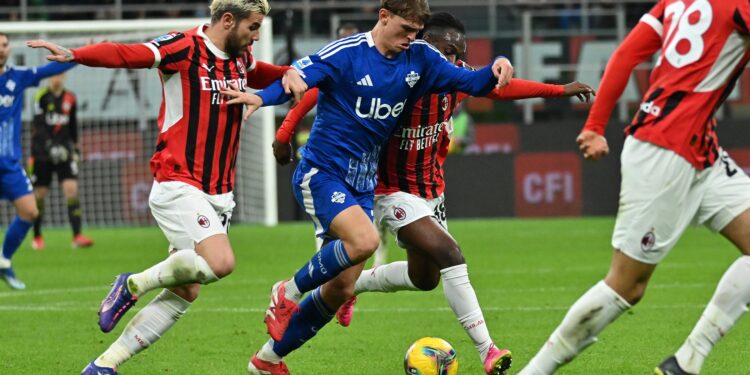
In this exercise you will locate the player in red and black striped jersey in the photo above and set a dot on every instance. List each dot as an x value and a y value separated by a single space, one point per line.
409 195
194 162
674 174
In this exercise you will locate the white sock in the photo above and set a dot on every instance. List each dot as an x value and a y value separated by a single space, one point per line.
291 291
463 300
381 254
728 304
147 326
596 309
388 278
267 354
182 267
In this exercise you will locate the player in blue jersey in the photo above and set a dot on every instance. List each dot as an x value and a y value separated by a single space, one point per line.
14 184
365 82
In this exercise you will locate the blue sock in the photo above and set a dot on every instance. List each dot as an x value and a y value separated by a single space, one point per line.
324 266
312 316
14 236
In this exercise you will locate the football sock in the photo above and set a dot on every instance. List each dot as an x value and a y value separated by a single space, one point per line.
592 312
324 266
728 304
390 277
14 236
312 316
74 215
38 221
463 301
147 326
381 254
267 354
182 267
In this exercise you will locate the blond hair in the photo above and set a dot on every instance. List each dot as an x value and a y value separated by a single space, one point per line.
238 8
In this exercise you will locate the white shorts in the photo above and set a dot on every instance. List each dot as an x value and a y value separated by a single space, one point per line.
661 194
397 210
187 215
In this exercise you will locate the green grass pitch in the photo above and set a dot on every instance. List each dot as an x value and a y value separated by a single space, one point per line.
526 274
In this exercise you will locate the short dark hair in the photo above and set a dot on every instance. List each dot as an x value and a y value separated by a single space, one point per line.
442 20
411 10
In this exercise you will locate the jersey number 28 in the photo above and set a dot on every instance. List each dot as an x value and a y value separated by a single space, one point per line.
686 30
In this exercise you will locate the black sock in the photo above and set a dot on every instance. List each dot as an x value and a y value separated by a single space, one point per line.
38 221
74 214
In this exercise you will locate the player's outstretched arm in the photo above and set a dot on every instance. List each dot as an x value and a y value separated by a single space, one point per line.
104 55
524 89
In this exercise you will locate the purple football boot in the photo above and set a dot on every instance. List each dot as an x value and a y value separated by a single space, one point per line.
93 369
118 302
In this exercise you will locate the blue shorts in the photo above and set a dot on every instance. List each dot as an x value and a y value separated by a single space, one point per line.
13 181
323 196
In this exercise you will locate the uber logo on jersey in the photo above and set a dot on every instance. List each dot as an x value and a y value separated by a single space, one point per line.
379 110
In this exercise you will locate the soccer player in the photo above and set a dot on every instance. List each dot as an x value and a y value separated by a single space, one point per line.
54 149
674 173
409 197
193 166
14 184
365 83
283 153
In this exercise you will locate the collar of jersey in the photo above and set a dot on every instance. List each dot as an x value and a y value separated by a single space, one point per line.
210 45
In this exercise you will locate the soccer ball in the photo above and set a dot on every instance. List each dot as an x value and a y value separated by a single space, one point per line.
431 356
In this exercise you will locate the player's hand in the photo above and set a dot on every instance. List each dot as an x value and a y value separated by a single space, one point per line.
592 145
282 152
251 101
294 86
580 90
503 71
58 53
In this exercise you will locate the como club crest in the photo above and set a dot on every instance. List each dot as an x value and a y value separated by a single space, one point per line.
412 78
203 221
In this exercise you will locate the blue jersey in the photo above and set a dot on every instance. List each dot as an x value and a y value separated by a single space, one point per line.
13 82
362 95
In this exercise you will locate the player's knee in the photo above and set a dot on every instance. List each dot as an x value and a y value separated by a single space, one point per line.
362 246
29 213
224 267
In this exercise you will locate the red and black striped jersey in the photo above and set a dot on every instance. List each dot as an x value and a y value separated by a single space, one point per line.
704 48
412 160
199 133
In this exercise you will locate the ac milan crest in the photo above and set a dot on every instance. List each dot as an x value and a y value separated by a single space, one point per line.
399 213
203 221
648 241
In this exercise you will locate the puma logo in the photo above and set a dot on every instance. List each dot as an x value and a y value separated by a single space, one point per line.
207 68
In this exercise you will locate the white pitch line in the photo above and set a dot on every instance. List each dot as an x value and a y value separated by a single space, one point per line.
65 307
